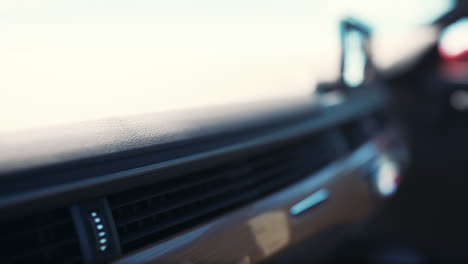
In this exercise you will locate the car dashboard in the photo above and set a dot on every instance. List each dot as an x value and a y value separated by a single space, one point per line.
231 184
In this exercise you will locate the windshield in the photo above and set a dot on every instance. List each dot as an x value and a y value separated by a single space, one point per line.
68 61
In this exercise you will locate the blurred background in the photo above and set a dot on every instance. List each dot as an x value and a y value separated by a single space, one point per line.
67 61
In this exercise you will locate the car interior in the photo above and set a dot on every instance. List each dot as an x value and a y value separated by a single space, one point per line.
368 167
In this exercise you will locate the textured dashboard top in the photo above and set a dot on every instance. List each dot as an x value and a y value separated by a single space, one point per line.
36 148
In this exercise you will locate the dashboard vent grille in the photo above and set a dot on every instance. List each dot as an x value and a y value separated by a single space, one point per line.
42 238
147 214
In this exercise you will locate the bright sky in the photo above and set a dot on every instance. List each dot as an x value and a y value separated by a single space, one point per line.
72 60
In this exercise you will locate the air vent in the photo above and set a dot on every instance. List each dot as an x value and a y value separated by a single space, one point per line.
43 238
148 214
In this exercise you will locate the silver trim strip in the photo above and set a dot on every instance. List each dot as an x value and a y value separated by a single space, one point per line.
309 202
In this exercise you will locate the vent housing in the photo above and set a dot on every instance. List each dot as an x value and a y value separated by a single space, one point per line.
42 238
382 119
147 214
359 131
356 133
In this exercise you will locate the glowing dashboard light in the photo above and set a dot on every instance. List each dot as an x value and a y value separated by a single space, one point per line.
387 177
309 202
453 43
354 61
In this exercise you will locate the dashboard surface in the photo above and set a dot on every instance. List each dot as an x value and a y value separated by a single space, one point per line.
201 156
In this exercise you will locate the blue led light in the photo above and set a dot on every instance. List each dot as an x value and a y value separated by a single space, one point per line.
309 202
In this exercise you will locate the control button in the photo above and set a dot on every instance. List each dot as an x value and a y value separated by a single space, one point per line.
103 241
99 227
101 234
93 214
97 220
102 248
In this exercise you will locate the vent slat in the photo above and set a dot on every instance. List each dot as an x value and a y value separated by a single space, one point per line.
175 189
191 183
28 229
207 210
147 214
37 252
225 189
48 237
